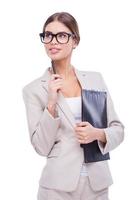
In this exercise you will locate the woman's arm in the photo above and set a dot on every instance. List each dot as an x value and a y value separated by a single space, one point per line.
108 138
114 133
43 126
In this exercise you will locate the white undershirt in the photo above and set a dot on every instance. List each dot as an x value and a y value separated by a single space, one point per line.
75 106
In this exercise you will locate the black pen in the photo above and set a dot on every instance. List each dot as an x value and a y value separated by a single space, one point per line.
52 63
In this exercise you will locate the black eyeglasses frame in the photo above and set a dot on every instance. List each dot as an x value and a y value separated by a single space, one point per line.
55 35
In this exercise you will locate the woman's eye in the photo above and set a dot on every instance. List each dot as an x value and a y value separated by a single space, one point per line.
48 35
62 35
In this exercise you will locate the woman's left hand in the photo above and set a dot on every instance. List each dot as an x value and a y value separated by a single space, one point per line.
86 133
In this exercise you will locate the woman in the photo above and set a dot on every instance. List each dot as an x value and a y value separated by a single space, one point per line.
53 105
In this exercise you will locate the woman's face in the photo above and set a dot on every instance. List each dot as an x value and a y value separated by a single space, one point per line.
55 50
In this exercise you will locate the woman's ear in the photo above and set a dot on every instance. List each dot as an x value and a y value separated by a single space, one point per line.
75 44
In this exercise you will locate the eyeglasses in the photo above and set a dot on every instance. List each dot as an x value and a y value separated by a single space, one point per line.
61 37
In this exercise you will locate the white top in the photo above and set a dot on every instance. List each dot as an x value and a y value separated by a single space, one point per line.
75 106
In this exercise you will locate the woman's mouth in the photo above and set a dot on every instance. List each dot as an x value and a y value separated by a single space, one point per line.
54 50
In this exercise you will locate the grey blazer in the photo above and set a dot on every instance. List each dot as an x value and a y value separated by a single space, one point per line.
55 138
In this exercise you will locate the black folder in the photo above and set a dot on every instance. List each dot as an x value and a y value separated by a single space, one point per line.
94 111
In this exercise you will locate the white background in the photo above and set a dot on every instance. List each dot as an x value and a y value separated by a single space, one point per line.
107 46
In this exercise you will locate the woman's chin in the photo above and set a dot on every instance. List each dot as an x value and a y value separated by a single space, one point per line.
56 58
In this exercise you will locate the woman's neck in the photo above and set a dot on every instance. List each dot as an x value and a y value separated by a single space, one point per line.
65 69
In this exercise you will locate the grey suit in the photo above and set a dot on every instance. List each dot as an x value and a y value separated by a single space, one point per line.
55 137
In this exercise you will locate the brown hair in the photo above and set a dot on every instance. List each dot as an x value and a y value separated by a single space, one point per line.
68 20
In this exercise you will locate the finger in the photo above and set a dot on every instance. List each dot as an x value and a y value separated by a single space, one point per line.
80 129
85 123
57 83
55 76
82 141
56 87
82 134
79 137
57 80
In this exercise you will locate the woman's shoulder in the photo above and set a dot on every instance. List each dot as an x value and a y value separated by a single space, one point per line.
94 78
34 85
92 75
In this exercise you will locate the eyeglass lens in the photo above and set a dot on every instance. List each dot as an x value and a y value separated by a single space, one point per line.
61 37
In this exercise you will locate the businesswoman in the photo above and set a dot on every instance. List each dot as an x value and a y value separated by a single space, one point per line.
53 107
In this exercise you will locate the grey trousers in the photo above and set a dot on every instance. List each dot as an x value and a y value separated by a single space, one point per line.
82 192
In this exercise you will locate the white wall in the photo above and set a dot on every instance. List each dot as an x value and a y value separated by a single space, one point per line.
107 45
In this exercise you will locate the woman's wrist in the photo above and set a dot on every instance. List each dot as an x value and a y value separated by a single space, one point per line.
100 135
51 107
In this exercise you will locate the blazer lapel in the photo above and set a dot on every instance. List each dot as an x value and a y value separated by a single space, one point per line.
61 102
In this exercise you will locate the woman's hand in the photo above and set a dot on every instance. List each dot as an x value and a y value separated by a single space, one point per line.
86 133
54 85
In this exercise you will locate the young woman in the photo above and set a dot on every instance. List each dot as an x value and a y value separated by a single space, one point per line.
53 105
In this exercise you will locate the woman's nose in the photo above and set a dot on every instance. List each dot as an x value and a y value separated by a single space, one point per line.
54 41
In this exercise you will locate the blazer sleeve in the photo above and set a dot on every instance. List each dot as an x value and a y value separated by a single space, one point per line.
115 129
42 125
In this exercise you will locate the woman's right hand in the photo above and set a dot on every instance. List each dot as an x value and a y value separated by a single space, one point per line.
54 86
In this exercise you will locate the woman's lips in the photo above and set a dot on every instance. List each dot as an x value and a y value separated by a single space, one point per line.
54 50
